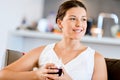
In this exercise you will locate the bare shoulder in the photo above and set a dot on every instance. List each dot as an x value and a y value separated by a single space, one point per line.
34 53
99 57
37 50
99 67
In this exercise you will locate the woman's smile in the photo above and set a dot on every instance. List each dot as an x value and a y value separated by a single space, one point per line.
78 30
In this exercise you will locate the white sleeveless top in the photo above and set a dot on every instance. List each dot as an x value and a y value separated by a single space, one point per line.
80 68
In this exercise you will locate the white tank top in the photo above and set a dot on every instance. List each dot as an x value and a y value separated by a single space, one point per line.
80 68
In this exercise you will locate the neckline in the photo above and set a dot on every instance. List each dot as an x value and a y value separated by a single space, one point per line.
72 60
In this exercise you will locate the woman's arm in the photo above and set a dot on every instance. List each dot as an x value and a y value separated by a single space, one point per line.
14 75
100 69
21 69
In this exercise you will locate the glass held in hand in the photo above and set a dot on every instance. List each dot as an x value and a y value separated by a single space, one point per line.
59 71
59 67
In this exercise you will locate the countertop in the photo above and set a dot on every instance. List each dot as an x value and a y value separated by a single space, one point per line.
36 34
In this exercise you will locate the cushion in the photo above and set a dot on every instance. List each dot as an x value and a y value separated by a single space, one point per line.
12 55
113 68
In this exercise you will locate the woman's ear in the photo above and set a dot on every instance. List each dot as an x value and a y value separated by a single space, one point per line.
59 23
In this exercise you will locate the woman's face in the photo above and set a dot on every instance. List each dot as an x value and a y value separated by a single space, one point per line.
74 23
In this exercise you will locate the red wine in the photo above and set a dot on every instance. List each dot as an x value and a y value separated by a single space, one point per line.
59 72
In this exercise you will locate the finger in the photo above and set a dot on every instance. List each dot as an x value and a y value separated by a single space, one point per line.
41 76
52 71
52 77
50 65
42 70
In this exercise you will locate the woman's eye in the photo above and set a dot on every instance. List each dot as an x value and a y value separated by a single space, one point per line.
84 19
72 19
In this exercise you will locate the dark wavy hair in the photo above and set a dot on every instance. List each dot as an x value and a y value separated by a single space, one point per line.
66 6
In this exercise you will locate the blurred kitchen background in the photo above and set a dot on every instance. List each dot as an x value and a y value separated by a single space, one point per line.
32 21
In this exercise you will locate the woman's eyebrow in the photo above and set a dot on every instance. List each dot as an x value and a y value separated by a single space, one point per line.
84 17
72 16
75 16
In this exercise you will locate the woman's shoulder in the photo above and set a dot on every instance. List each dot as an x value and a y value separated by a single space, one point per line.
100 67
98 55
37 49
99 58
41 48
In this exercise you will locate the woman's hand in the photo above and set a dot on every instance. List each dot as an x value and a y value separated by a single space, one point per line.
64 76
46 70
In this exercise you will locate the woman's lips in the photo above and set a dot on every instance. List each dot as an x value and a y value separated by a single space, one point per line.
78 30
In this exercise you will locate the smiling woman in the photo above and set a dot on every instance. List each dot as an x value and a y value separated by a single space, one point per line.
74 23
88 63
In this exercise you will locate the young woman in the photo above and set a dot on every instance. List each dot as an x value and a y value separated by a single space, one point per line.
79 62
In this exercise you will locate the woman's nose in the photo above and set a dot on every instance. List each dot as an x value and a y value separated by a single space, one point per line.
78 23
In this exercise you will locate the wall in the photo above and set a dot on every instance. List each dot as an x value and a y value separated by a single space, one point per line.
51 5
11 14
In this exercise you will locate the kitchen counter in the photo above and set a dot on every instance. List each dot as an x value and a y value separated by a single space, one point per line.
36 34
26 40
